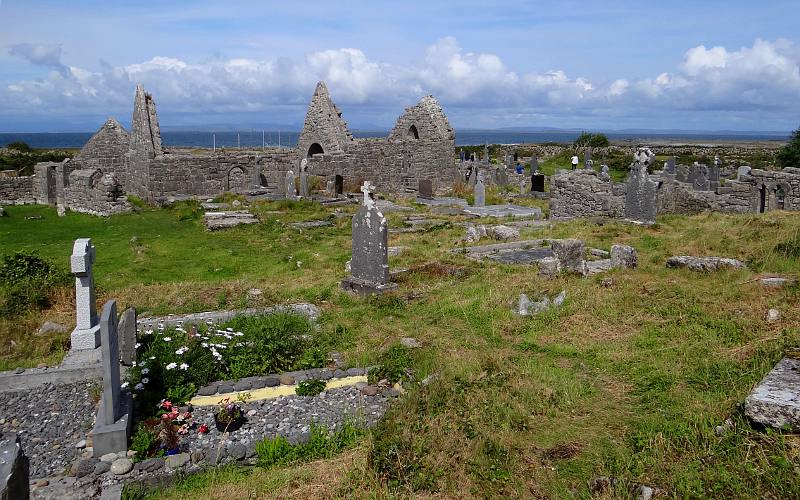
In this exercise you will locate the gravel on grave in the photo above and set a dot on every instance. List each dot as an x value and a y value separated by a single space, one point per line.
292 417
50 420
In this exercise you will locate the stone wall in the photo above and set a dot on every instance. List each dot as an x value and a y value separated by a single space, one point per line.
17 190
582 193
106 150
95 193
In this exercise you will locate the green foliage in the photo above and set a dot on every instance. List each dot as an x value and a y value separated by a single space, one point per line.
789 248
179 395
187 210
789 155
144 442
392 365
320 444
20 146
589 139
310 387
26 282
136 201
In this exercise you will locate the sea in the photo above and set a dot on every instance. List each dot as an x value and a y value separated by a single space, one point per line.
256 138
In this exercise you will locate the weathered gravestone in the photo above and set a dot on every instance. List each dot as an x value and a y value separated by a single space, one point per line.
604 175
14 469
425 189
743 171
289 187
669 166
587 159
486 158
127 338
480 193
87 332
112 425
682 173
534 165
501 176
523 186
640 196
330 189
713 177
369 266
473 176
698 178
304 178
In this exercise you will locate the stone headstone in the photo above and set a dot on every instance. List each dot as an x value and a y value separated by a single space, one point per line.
486 158
623 256
569 253
604 175
501 176
330 189
290 191
640 196
742 171
537 183
14 469
112 425
480 193
698 178
473 176
682 173
304 193
509 161
713 177
127 337
523 186
534 165
87 332
587 159
369 266
425 189
669 166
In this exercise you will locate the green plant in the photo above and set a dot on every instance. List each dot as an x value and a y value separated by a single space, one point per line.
20 146
180 394
588 139
310 387
145 442
228 411
789 155
26 282
393 365
321 444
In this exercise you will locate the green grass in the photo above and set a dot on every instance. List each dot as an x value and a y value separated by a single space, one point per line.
627 379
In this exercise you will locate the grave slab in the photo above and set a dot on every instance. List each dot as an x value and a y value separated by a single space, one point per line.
504 211
775 402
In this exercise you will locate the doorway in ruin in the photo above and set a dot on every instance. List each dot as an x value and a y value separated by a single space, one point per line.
237 181
780 198
413 133
315 149
762 203
338 185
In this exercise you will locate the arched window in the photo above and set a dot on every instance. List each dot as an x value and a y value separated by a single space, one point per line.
413 133
780 198
315 149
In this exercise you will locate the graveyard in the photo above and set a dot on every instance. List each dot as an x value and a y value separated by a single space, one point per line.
623 372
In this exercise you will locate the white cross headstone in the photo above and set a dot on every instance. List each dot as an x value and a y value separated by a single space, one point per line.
87 331
367 189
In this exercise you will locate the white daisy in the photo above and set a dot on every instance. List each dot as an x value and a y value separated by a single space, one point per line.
171 366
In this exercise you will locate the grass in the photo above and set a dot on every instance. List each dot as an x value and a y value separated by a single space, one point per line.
627 379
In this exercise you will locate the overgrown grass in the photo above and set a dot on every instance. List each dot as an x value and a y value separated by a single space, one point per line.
627 379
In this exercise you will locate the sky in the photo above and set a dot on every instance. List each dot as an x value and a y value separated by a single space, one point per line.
593 65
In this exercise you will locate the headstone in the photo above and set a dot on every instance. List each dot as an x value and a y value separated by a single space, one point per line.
486 158
291 192
425 189
742 171
537 183
523 185
534 164
682 173
127 338
112 425
604 175
256 175
304 193
640 196
14 469
87 332
330 189
698 178
587 159
480 193
461 155
501 176
569 253
473 176
369 266
713 177
669 166
623 256
509 161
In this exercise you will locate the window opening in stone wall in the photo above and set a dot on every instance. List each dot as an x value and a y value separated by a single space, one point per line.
413 133
315 149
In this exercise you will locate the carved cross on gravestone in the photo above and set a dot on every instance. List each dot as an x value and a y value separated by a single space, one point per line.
86 334
367 188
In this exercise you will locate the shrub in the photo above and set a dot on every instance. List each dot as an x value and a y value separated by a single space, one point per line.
789 155
310 387
27 281
588 139
20 146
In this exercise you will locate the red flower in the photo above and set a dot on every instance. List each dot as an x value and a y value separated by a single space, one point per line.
203 429
166 405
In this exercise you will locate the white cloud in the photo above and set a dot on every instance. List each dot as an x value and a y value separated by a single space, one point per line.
757 79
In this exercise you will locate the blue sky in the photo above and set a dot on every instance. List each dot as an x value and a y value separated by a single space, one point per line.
710 65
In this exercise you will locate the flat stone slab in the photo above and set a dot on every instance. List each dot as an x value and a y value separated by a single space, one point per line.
310 224
515 252
77 366
224 220
530 256
504 211
311 311
704 263
444 201
385 206
775 402
215 206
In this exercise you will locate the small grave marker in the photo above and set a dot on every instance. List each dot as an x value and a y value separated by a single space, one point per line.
87 332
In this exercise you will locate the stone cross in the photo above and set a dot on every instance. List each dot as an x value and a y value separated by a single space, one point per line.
109 348
86 334
523 185
604 175
291 193
480 192
367 188
534 165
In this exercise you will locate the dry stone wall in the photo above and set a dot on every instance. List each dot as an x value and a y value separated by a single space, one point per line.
17 190
582 193
95 193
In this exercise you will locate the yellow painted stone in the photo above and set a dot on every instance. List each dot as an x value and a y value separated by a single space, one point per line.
272 392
